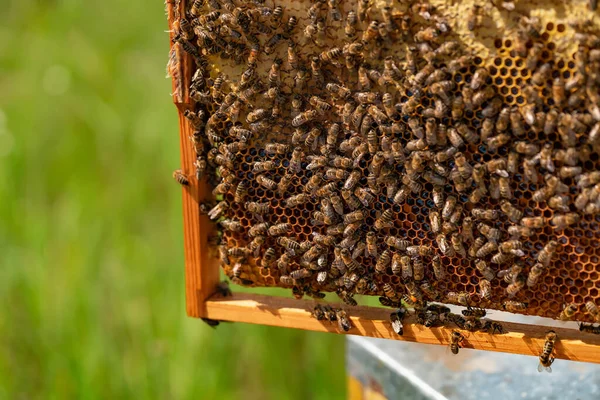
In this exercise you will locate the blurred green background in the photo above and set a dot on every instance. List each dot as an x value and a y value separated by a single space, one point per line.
91 253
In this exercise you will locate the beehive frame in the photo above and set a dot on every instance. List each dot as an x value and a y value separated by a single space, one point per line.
202 277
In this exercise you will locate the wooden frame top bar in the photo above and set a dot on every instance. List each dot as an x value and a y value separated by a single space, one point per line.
374 322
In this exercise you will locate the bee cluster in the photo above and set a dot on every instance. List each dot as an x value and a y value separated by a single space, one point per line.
363 149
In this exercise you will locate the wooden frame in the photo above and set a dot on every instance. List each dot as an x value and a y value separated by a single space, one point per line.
202 277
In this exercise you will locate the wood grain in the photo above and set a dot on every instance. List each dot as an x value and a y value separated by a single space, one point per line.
373 321
201 270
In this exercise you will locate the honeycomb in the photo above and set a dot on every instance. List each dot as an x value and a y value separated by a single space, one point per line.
492 104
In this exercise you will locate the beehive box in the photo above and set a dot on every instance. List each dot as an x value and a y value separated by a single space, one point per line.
468 131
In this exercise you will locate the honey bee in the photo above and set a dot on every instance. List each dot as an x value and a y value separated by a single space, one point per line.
354 216
279 229
456 340
418 268
559 202
406 269
444 245
344 322
256 244
276 148
426 34
348 261
336 174
181 178
201 167
472 312
546 358
485 249
383 261
288 244
297 200
568 312
545 255
485 270
541 75
533 222
515 286
501 258
476 246
435 221
534 274
218 210
385 220
514 306
589 328
593 310
484 214
301 273
396 320
233 226
457 245
479 78
265 182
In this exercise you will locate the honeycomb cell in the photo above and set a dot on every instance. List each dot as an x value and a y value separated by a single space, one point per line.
560 28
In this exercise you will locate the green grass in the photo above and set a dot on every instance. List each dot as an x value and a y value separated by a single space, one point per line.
91 263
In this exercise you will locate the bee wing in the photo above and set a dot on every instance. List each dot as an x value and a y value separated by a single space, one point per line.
396 323
540 367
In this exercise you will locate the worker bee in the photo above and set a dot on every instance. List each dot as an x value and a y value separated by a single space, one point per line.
344 322
229 225
534 274
256 244
514 288
514 306
289 244
485 289
181 178
435 221
520 231
279 229
301 273
457 245
568 312
348 261
533 222
546 358
456 341
276 148
546 254
479 78
385 220
484 214
501 258
476 246
218 210
265 182
562 221
383 261
485 270
589 328
396 320
304 118
486 249
444 245
513 213
448 207
593 310
492 234
541 75
474 312
336 174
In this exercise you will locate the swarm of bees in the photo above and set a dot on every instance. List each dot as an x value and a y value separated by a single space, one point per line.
364 150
